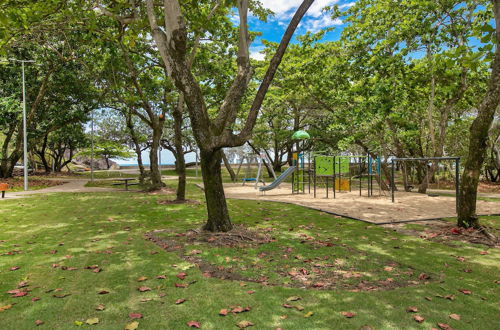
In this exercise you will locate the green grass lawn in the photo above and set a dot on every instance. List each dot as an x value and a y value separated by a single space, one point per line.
44 235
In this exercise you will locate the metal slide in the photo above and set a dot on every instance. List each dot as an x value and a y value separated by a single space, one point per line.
280 179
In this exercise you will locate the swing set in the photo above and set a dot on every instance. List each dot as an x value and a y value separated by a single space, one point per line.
250 159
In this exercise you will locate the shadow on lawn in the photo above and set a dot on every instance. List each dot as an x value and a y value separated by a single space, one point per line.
107 230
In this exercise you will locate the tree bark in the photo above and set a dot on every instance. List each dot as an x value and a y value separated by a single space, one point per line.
42 154
228 167
212 135
218 215
156 182
180 161
478 138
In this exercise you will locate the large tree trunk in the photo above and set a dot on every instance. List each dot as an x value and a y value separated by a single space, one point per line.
212 135
478 139
218 215
180 161
156 182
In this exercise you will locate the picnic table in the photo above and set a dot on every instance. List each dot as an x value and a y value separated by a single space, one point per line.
125 182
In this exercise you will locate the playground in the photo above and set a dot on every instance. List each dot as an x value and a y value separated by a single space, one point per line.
354 186
376 209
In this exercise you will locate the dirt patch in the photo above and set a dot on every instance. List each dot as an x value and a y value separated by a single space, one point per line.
17 183
176 202
162 191
489 187
446 232
256 256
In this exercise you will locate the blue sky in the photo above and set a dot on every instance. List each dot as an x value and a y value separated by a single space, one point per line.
314 20
272 30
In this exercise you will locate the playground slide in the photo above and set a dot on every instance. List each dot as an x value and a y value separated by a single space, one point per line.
279 179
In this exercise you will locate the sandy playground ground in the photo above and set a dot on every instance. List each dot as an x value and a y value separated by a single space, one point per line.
376 209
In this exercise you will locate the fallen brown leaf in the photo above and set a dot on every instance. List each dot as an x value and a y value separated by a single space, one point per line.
194 324
444 326
244 324
418 318
348 314
4 308
224 312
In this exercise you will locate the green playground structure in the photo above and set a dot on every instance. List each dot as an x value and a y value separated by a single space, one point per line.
338 171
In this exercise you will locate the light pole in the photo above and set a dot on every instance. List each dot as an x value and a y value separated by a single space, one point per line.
92 147
25 136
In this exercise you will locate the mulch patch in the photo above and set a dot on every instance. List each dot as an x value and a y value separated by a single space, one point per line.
320 273
444 231
162 191
176 202
19 182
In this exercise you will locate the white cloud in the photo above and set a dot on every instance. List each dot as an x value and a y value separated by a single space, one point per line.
280 7
318 5
314 25
286 8
256 54
347 5
314 20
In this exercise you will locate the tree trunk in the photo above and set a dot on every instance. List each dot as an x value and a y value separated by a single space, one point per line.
180 161
137 146
42 154
228 167
156 182
218 215
478 139
424 185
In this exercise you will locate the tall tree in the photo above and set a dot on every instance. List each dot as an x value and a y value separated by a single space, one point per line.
479 129
212 134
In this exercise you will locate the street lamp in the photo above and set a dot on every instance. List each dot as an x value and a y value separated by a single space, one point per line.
92 149
25 137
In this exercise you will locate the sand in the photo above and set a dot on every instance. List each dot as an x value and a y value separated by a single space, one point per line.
377 209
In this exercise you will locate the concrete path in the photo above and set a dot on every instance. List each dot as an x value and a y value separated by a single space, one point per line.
452 192
71 186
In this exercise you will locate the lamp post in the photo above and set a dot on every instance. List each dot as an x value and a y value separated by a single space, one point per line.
25 136
92 148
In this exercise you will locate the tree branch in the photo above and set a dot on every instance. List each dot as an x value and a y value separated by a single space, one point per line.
246 132
232 101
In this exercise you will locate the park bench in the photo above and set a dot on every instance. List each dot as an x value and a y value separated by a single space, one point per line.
3 188
125 182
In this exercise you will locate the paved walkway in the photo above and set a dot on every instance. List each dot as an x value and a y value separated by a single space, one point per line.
71 186
452 192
